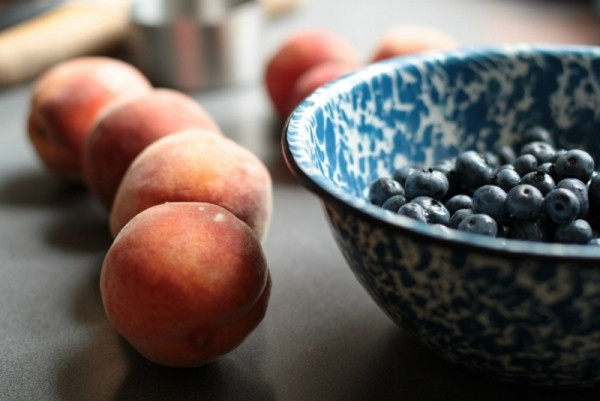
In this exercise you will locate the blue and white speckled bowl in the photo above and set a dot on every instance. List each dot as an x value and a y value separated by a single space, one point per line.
516 311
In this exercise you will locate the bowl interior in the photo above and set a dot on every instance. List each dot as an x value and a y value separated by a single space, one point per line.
429 107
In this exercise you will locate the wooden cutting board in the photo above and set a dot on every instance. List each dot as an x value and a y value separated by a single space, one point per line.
75 28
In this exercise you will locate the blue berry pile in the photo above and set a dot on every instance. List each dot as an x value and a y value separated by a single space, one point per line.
531 192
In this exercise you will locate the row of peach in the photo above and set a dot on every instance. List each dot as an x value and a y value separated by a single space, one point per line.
185 279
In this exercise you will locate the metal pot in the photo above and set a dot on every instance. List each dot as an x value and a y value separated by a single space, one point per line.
197 44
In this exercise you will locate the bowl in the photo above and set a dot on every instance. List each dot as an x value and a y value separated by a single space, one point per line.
516 311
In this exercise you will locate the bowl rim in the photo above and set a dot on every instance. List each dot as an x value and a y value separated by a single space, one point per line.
324 189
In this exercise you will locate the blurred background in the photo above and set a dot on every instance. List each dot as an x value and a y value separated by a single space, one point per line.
217 50
35 34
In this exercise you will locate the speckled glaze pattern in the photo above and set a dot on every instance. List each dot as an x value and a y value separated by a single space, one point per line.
514 311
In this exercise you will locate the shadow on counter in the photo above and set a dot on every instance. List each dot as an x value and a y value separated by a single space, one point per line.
107 368
406 370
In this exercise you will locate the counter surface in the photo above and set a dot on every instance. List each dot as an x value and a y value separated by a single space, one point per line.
323 338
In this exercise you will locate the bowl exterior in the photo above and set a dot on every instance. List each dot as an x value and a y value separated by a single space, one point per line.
515 319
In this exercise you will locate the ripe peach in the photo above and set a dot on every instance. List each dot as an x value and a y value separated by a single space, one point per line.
315 77
66 101
185 283
409 39
126 129
193 166
299 52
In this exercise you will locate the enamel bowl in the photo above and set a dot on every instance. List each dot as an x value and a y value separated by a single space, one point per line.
511 310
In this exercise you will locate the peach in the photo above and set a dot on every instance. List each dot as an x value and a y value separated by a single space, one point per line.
402 40
301 51
315 77
192 165
185 283
126 129
66 102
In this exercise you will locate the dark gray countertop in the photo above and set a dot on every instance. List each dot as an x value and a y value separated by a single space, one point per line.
322 338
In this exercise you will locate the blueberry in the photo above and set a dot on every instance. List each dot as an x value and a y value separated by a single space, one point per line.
561 205
576 232
383 188
491 200
394 202
444 166
575 163
549 169
414 211
557 154
491 159
503 167
460 201
472 169
525 163
594 241
506 179
459 216
543 151
528 230
546 221
447 168
505 154
435 211
479 223
401 173
580 190
594 192
542 181
538 133
524 202
426 182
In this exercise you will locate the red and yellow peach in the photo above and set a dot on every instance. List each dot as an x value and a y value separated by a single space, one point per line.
196 165
301 51
66 102
185 283
128 128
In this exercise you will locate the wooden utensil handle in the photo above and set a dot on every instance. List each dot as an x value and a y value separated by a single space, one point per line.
68 31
